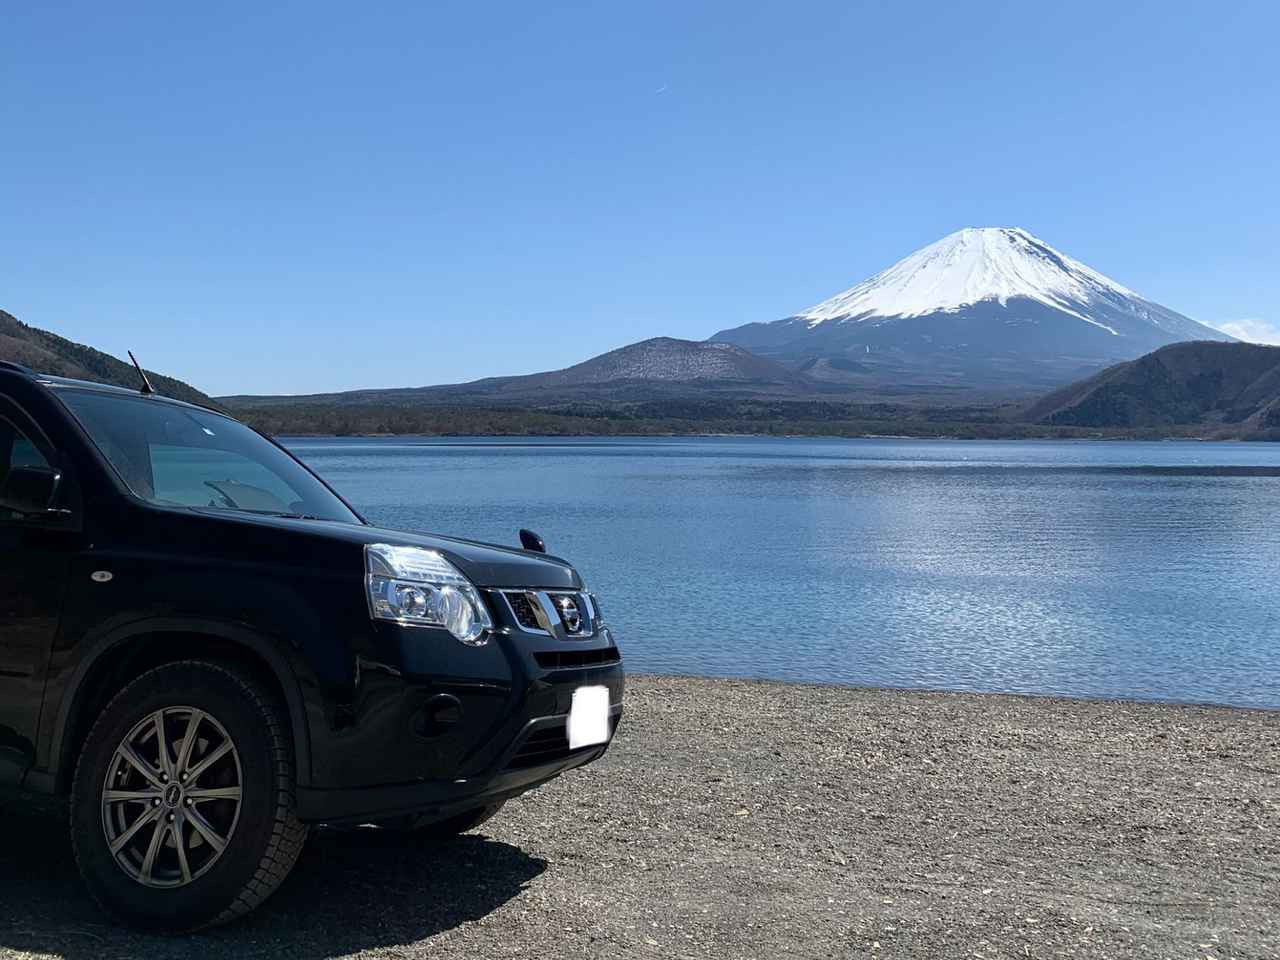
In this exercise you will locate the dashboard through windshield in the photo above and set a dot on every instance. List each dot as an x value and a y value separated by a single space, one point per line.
182 456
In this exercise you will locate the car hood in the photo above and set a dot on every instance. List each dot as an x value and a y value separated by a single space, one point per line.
485 564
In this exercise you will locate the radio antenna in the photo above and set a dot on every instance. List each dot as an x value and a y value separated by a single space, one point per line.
146 384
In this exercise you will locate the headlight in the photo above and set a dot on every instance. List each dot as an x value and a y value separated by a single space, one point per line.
420 588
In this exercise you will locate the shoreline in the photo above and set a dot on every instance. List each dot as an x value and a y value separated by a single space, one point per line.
876 689
712 435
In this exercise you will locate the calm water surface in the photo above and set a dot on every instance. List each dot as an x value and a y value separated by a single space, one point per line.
1096 569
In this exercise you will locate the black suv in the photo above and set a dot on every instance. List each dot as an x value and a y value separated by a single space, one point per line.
208 650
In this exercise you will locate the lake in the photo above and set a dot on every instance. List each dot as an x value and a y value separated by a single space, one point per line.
1100 569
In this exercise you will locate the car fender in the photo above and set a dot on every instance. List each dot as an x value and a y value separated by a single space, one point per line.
287 668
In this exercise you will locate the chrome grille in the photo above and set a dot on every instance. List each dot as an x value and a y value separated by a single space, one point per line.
566 614
522 607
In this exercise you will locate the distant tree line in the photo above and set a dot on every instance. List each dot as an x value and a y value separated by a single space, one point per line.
666 418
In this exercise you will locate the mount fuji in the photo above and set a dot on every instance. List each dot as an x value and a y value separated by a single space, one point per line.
991 307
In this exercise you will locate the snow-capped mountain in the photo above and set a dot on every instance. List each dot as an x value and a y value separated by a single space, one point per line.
969 266
990 306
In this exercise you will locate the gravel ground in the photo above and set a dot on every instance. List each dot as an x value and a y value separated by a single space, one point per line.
749 820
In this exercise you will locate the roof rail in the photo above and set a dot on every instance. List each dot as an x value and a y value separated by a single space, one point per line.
16 367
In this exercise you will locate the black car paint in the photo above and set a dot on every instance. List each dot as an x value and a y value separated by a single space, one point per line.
363 695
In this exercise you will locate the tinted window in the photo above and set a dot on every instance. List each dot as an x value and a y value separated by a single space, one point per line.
181 456
16 451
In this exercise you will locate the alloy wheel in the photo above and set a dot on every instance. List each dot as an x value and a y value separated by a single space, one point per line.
172 795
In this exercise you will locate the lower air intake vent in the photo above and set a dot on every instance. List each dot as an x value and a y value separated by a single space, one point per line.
548 745
575 659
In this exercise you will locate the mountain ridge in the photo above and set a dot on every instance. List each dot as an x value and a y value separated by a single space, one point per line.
649 369
1210 390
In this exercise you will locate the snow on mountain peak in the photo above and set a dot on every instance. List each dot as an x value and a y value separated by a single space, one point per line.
968 266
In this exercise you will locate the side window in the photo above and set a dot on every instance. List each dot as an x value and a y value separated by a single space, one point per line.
25 454
16 451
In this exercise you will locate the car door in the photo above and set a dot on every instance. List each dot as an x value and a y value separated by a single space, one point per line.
33 568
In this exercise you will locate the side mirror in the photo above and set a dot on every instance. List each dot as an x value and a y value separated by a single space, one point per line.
531 541
30 490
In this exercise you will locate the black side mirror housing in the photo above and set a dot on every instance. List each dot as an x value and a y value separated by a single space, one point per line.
30 490
531 541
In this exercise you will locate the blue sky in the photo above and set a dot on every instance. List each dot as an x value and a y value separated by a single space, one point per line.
324 196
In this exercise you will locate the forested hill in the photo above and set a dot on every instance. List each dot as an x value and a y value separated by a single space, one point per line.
47 352
1224 389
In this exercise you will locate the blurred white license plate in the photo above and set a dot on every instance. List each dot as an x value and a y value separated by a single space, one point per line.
589 717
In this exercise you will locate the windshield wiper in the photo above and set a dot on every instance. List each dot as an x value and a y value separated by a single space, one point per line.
277 513
290 516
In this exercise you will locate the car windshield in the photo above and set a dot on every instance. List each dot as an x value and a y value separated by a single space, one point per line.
181 456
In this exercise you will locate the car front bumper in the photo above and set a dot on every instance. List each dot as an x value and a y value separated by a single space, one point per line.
438 728
509 777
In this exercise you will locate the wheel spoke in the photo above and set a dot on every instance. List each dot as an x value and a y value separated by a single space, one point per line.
214 793
189 740
157 838
135 760
180 843
214 755
205 829
162 744
143 819
125 796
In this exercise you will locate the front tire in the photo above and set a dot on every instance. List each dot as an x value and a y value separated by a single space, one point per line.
182 804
